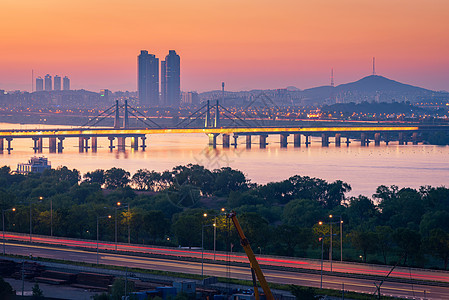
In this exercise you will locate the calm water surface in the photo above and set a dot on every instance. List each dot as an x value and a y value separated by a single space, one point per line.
364 168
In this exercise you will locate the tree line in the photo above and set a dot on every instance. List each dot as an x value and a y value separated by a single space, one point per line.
279 218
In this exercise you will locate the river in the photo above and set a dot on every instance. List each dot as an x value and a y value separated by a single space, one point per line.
364 168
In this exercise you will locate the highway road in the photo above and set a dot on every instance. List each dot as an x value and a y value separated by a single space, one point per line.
311 264
274 276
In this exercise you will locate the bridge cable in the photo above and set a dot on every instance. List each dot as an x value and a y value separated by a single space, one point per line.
191 115
196 118
235 116
138 112
99 115
139 119
99 120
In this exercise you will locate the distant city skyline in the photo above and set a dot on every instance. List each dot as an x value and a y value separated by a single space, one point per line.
255 45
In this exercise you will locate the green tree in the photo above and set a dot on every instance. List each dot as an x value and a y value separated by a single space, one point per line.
121 288
438 244
96 176
155 224
146 180
187 229
408 241
303 212
384 239
37 292
364 241
227 180
361 209
6 291
116 178
304 293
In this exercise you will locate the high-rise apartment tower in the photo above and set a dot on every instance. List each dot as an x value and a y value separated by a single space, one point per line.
148 79
57 83
39 84
172 80
48 84
66 83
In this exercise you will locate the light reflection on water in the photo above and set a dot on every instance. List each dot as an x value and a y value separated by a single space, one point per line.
364 168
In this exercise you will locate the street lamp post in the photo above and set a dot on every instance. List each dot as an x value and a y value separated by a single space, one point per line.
31 218
330 247
202 246
3 222
341 235
215 231
322 248
51 217
129 230
98 236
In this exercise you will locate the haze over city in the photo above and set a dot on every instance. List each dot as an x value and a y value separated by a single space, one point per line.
249 45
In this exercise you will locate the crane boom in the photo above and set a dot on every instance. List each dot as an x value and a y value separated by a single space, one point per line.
251 257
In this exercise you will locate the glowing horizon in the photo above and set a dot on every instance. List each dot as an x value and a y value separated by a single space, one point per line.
247 44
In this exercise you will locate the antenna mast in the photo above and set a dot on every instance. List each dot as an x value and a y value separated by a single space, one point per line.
332 77
374 66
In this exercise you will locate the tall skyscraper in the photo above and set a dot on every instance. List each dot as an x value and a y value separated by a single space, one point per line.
48 84
172 84
66 83
148 79
39 84
57 83
163 85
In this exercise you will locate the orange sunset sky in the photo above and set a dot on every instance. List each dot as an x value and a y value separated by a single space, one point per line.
248 44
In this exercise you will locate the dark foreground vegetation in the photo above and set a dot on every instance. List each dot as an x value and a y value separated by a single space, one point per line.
279 218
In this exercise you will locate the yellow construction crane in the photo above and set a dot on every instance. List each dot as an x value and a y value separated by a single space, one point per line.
255 268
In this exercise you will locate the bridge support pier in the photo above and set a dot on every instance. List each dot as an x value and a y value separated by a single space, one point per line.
121 143
111 143
212 139
401 138
94 144
263 141
81 144
325 140
35 146
86 143
415 138
337 139
135 143
363 139
225 140
9 145
248 141
297 140
143 143
283 140
308 142
1 145
377 139
60 145
347 141
52 144
235 136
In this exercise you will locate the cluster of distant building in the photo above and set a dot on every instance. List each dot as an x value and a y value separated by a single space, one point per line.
45 84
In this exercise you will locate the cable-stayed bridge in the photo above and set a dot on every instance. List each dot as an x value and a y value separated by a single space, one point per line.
214 121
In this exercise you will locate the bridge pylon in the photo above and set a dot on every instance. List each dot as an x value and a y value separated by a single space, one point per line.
126 118
117 116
